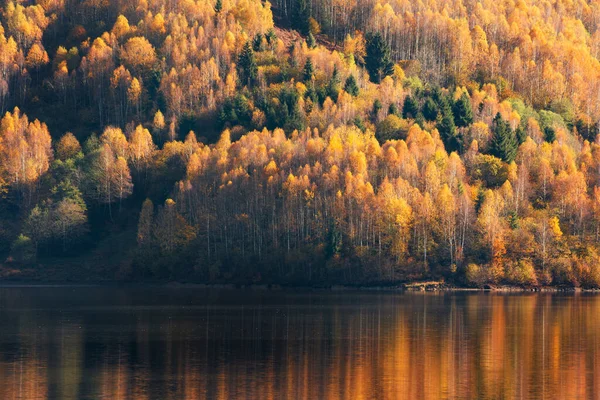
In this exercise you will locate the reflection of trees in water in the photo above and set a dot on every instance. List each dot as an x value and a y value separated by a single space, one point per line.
188 343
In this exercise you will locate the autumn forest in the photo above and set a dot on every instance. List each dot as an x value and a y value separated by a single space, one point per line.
312 142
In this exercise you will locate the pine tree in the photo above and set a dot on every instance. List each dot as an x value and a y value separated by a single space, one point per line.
521 135
410 109
358 122
311 93
301 17
420 120
430 110
257 42
479 199
549 134
438 96
351 87
447 130
66 190
444 103
504 142
378 60
309 70
463 114
513 220
247 68
447 127
311 42
377 106
271 37
218 6
393 109
333 87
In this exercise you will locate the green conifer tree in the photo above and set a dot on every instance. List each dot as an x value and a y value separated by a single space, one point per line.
521 135
257 42
247 67
430 110
378 60
333 87
410 109
271 37
377 106
549 134
311 42
463 114
301 17
308 71
504 142
351 87
448 132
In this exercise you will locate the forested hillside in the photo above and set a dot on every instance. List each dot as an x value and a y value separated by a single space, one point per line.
324 142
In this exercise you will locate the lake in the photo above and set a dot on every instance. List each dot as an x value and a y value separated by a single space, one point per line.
191 343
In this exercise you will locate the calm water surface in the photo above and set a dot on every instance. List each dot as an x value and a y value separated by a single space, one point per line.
158 343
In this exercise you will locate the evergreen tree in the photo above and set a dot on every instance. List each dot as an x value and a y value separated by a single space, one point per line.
586 129
377 106
322 93
393 109
447 127
311 93
311 42
308 71
479 199
463 114
430 110
247 68
444 103
66 190
438 96
358 122
235 111
378 60
549 134
351 87
410 109
257 42
270 37
513 220
333 87
218 6
301 17
420 120
448 132
521 135
504 142
287 115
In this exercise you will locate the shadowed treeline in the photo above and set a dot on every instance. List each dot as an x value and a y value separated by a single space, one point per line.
172 344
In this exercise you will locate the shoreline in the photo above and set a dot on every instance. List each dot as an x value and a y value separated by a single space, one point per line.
414 287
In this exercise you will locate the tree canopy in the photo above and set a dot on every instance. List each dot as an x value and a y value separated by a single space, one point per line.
371 143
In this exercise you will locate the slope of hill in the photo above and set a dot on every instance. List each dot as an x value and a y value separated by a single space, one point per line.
378 142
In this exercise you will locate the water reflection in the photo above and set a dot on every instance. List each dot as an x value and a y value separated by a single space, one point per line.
153 343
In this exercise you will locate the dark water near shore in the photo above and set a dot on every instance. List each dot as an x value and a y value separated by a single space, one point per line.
159 343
